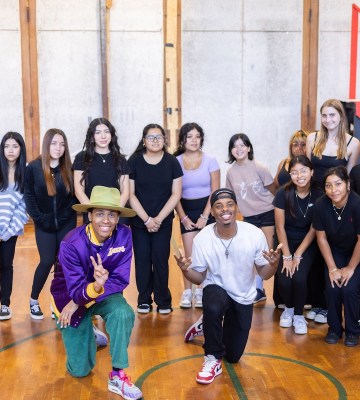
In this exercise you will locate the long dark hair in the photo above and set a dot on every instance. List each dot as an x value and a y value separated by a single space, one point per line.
64 163
20 165
245 139
185 129
89 148
140 149
290 187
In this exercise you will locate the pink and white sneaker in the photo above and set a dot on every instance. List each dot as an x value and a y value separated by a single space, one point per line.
194 330
210 369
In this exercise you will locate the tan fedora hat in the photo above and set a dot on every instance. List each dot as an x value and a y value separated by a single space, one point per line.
105 198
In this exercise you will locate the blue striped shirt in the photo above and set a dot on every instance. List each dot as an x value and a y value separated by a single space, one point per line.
13 215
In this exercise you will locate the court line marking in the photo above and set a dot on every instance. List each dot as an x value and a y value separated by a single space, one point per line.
235 379
229 367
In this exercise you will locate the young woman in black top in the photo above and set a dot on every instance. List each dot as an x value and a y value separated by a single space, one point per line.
155 189
337 224
100 163
294 204
49 195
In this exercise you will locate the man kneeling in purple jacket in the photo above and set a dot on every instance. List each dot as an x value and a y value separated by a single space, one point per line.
93 270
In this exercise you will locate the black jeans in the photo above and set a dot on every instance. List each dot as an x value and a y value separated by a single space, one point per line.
151 251
7 252
48 244
347 296
226 324
294 289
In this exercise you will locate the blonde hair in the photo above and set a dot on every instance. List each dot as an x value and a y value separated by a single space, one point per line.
323 134
297 135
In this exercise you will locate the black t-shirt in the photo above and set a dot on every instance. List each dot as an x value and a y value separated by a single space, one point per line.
153 184
100 172
298 227
341 234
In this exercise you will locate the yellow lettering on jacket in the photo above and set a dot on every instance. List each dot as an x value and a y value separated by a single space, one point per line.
115 250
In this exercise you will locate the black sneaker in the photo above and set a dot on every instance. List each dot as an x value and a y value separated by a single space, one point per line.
260 295
5 313
351 340
144 308
35 311
332 337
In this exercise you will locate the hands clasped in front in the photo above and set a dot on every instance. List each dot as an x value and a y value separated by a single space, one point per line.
340 277
153 225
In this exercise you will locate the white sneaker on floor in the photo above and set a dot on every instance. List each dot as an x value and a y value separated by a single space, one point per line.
321 317
198 298
311 314
209 370
299 325
186 299
286 318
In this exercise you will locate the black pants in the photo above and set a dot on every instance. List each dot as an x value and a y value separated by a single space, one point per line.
151 251
226 324
349 296
316 283
48 244
7 252
294 289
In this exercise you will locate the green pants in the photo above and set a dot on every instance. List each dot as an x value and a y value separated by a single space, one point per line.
80 343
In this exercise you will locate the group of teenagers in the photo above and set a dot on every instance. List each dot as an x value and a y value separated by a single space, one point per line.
308 213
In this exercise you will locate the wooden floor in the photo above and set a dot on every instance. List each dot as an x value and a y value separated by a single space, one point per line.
277 364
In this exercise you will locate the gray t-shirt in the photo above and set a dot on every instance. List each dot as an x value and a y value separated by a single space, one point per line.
248 181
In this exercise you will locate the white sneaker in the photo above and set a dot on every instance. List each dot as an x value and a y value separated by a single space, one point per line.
121 384
100 338
198 298
186 299
286 318
321 317
194 330
311 314
299 324
209 370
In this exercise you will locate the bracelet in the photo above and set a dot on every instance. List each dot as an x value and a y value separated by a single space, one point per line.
287 258
183 219
297 257
147 221
333 270
205 218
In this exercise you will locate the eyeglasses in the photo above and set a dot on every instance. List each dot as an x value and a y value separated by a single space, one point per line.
302 171
151 138
298 144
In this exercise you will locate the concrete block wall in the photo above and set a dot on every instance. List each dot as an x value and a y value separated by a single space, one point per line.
241 68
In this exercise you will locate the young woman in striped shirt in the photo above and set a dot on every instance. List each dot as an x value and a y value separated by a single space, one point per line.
12 210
